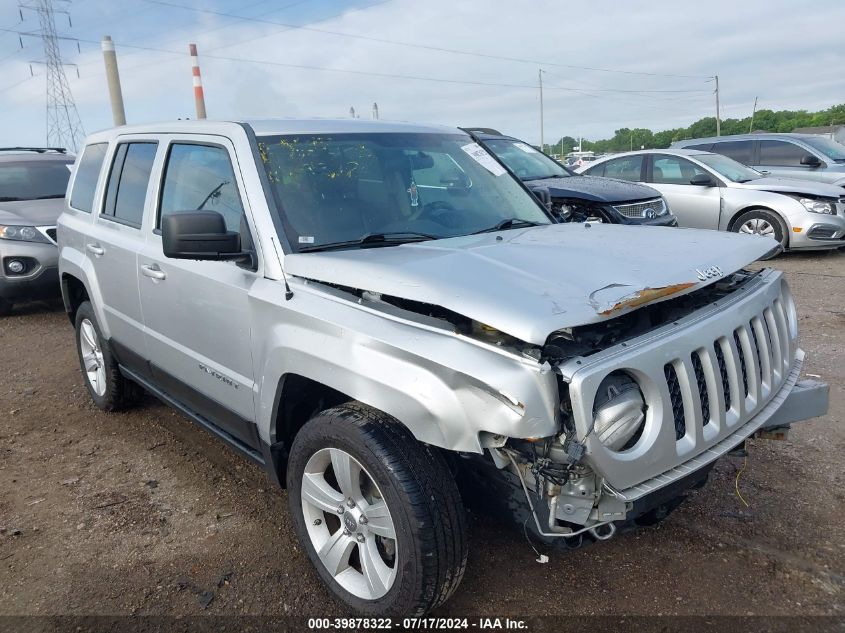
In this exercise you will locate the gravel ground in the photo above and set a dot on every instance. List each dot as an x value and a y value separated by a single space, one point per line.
143 513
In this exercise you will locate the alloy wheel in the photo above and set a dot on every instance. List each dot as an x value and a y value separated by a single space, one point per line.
92 357
349 523
757 226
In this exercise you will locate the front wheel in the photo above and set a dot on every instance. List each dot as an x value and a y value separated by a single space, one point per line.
378 512
762 222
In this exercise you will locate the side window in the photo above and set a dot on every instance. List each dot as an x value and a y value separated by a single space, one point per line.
87 174
669 170
201 177
626 168
126 191
740 151
781 154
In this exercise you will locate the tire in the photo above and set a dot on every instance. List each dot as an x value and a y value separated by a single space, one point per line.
5 307
762 222
110 391
412 495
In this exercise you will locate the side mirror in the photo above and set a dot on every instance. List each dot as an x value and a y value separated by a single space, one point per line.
199 235
810 160
544 196
702 180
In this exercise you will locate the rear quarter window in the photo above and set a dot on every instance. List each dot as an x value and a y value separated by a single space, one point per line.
87 175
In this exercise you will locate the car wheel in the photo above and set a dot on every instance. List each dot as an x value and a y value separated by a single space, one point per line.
108 388
378 512
760 222
5 307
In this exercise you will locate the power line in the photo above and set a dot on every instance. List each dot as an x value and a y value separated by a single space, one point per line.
421 46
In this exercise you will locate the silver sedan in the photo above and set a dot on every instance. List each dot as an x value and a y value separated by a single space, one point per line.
711 191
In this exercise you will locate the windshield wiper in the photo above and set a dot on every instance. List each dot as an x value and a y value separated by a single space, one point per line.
373 239
509 223
214 193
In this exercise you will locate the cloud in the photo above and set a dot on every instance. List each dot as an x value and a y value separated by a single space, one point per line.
779 51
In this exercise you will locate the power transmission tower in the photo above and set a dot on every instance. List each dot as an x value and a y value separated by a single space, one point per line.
64 127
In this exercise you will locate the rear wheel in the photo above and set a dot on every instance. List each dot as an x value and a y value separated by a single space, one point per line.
378 512
762 222
106 385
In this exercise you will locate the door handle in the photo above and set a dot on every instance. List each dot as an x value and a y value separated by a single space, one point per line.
153 272
95 250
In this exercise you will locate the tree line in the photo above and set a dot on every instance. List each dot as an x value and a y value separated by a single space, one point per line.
626 139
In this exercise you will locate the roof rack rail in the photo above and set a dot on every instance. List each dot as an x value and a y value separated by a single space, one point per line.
483 130
39 150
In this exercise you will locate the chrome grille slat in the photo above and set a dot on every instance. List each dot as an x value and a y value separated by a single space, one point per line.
636 209
765 352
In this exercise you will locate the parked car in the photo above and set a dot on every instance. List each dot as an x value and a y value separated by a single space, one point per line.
369 309
712 191
33 181
803 156
576 198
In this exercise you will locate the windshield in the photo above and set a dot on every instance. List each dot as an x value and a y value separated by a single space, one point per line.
33 180
335 188
833 150
728 167
525 161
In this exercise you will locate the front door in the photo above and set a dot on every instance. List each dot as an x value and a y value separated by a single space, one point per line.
197 313
694 205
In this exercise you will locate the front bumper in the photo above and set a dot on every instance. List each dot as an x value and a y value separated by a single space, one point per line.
817 231
41 277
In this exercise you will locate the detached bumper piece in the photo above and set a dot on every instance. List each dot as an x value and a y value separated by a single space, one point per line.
808 399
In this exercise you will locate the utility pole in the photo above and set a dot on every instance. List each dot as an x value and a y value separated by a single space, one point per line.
561 148
753 112
113 79
375 111
64 127
199 96
718 116
540 77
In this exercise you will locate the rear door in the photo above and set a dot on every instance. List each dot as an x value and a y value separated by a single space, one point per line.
113 242
695 206
197 313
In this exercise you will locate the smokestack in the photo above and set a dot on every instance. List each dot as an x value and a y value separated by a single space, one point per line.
113 79
375 111
199 97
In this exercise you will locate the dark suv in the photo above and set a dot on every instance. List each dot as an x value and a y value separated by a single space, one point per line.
576 198
33 181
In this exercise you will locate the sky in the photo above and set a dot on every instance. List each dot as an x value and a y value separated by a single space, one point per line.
604 65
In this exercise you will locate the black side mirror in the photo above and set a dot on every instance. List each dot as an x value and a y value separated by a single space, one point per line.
199 235
810 160
702 180
544 195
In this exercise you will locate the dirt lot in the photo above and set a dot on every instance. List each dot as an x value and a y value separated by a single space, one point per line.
143 513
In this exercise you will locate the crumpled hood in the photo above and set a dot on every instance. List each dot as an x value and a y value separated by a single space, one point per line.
594 189
32 212
531 282
788 185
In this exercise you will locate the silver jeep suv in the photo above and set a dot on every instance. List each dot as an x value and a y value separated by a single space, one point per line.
376 312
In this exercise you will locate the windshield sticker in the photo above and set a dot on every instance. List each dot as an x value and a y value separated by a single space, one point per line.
306 239
415 196
484 159
526 148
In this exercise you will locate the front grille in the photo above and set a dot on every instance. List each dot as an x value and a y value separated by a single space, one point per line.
677 400
748 363
638 209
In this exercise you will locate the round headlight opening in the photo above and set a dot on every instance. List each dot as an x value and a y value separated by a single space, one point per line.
619 412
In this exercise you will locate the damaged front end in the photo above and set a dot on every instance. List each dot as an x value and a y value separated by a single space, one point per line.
650 400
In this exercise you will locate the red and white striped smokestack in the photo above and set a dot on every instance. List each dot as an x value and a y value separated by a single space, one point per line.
199 97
